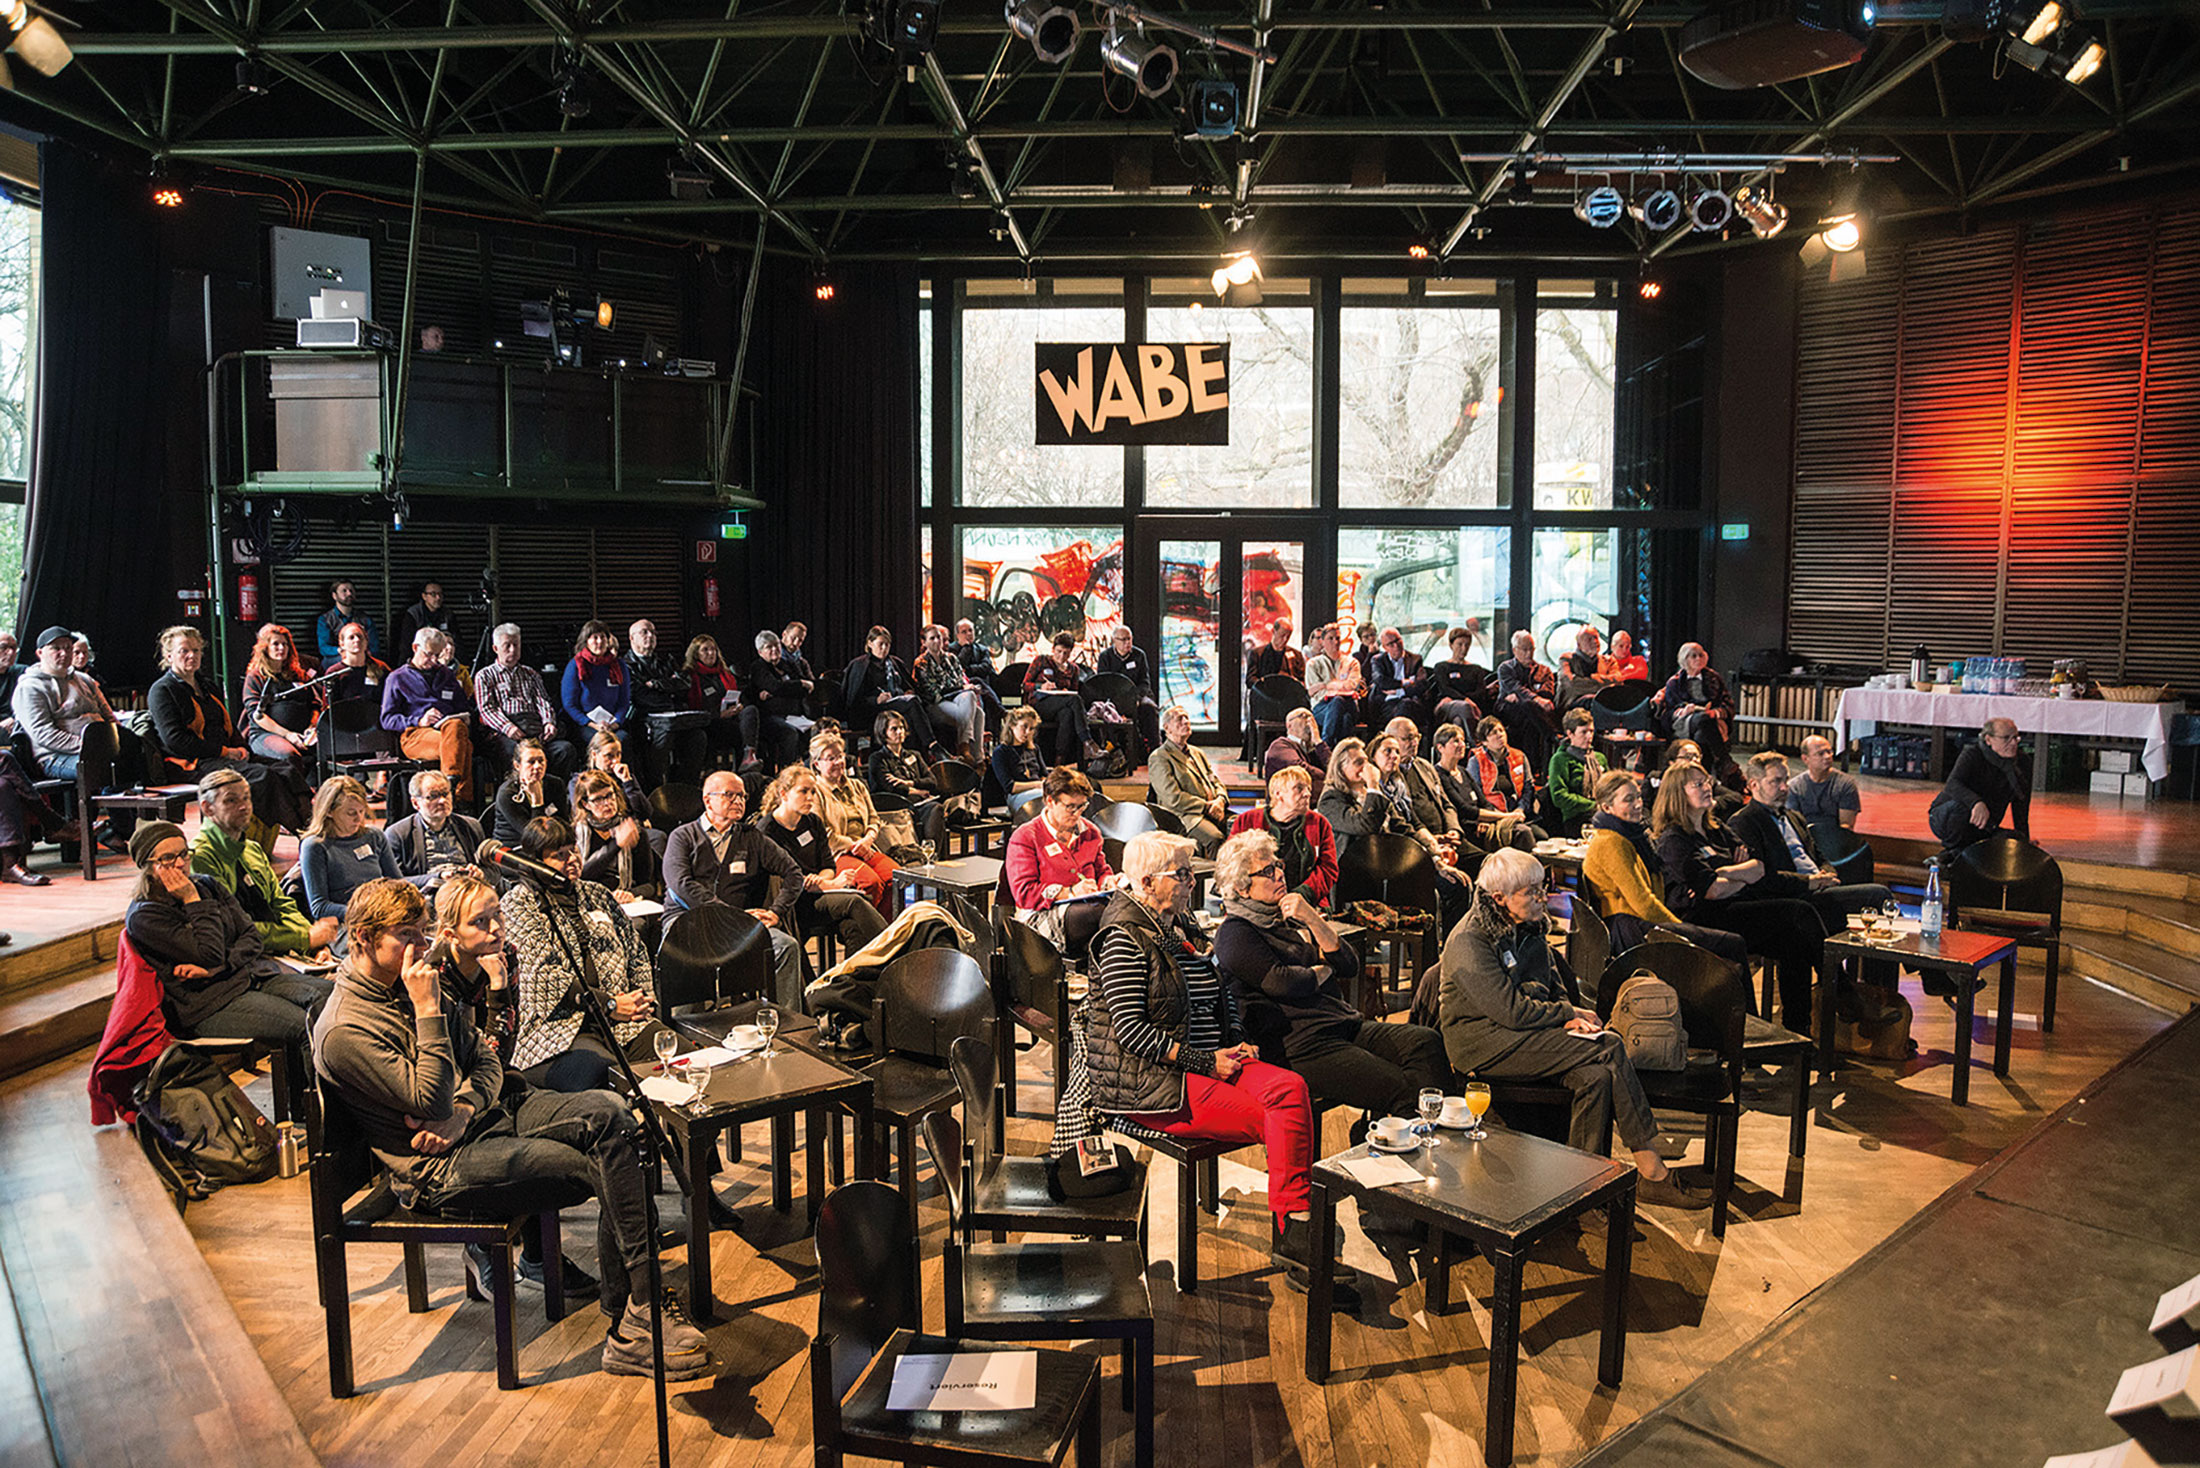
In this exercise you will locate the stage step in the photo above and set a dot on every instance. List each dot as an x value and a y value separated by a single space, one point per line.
34 964
2172 927
2139 968
55 1018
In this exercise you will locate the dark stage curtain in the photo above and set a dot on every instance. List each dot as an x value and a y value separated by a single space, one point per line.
836 454
97 545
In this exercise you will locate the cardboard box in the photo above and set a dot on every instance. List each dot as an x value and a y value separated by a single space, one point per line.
2116 761
2136 786
2102 783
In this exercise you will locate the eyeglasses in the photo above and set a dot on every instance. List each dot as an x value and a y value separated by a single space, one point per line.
181 858
1273 869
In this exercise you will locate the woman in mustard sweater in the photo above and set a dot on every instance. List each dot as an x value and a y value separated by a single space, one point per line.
1625 878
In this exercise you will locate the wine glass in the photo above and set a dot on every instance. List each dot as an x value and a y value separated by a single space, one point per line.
699 1070
1891 914
666 1042
767 1025
928 851
1478 1102
1431 1105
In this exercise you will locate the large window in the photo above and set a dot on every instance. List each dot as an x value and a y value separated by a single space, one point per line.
18 358
1269 461
1022 585
1576 357
1001 466
1572 575
1417 401
1424 582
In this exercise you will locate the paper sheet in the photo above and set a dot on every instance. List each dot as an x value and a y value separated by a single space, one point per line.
2176 1303
667 1090
1382 1171
642 907
975 1381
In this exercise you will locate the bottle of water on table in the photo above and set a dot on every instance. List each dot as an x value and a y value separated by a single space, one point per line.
1928 912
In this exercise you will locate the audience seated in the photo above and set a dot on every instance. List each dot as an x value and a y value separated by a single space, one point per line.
1991 781
831 894
735 734
1503 779
1507 1014
1185 785
718 858
1625 875
281 718
1729 793
782 694
196 734
528 794
607 755
1576 766
358 672
1456 685
515 707
550 1047
429 611
1299 746
1017 764
1056 859
1303 840
878 681
1581 672
225 851
950 703
1527 696
1286 964
660 686
1825 797
977 665
1405 805
852 824
430 714
895 768
1426 803
1275 658
594 691
478 964
1623 664
1050 686
346 612
794 637
1352 798
53 705
415 1076
617 848
434 843
1335 683
340 852
1394 681
216 979
11 672
1126 659
1695 704
24 818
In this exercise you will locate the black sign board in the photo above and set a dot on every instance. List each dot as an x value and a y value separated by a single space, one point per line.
1118 393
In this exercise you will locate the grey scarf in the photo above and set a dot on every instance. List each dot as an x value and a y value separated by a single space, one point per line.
1259 914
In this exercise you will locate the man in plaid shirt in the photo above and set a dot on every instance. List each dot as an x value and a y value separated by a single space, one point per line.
514 705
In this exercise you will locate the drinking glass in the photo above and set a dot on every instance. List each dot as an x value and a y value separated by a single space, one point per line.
699 1077
928 851
1431 1106
767 1025
1478 1102
666 1042
1891 914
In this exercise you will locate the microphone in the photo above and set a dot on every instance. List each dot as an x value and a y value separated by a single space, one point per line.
496 854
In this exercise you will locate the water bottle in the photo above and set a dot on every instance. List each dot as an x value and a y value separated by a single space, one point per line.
1928 912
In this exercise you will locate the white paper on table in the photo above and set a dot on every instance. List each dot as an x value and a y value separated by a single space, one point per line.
711 1055
666 1090
2165 1386
970 1381
642 907
1381 1171
2177 1303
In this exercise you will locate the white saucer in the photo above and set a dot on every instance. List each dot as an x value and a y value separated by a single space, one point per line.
1410 1144
1456 1126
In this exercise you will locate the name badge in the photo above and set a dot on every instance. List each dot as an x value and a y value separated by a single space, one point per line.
1054 848
804 839
740 867
361 853
600 921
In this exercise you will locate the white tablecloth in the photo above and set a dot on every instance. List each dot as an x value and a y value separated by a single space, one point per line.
2094 717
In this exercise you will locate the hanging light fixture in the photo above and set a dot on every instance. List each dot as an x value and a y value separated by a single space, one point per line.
1150 65
1051 29
1755 204
1709 209
35 39
1658 210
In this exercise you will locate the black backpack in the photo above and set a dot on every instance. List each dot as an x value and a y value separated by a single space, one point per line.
197 1128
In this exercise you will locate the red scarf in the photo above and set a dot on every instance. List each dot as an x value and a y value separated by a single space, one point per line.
614 669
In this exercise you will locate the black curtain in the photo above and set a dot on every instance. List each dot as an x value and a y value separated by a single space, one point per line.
97 548
836 464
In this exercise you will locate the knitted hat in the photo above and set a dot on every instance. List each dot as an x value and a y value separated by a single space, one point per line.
147 838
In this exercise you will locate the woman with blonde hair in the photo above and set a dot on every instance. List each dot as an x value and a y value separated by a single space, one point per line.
852 822
198 737
340 852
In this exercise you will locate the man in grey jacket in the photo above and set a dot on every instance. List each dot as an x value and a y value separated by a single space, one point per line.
1507 1014
54 704
432 1102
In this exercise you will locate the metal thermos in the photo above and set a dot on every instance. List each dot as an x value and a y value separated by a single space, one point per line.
1921 665
290 1150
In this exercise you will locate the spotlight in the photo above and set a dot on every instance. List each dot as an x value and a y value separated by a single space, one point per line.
1150 65
1710 210
2087 62
2033 24
254 79
1601 207
1766 218
821 284
905 27
576 94
1214 109
1649 290
1419 248
687 183
604 313
165 193
1237 279
36 41
1659 210
1050 28
1843 233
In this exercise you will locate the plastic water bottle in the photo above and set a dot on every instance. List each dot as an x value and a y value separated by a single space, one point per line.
1928 912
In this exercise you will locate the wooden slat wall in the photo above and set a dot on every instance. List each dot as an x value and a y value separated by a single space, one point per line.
1998 447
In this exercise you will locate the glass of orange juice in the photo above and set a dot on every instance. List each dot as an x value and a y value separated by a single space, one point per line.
1478 1102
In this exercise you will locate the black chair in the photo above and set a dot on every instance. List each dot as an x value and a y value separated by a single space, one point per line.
1847 853
672 805
1396 870
712 956
1272 699
1715 1011
869 1316
927 999
1052 1290
353 742
1588 942
1121 820
1024 805
1164 819
1002 1193
1008 684
953 778
2011 888
340 1168
1031 990
1622 705
1121 694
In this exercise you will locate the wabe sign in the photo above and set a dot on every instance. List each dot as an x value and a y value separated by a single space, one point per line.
1118 393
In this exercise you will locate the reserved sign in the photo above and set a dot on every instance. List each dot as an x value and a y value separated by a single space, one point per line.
976 1381
1118 393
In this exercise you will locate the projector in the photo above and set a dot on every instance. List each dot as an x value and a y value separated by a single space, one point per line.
345 331
1754 43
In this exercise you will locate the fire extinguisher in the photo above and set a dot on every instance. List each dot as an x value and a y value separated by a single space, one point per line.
248 596
710 597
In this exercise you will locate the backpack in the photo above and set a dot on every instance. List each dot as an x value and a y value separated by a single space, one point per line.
198 1130
1647 1017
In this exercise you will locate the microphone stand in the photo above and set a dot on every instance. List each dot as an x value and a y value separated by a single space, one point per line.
600 1019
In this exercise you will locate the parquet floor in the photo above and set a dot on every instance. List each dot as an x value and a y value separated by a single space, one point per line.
1407 1389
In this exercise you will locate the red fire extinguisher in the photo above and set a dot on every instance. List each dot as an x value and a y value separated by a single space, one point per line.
248 596
710 597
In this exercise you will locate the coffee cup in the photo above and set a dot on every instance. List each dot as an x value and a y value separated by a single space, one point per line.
1456 1112
1392 1131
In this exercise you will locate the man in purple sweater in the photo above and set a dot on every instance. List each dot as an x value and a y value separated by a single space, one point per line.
424 706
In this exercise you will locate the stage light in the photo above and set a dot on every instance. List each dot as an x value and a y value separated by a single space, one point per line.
576 93
1237 279
604 314
686 182
821 284
905 27
1843 234
2034 25
1601 207
254 78
165 192
1649 290
36 41
1658 211
1419 249
1150 65
2087 62
1214 109
1051 29
1766 218
1710 210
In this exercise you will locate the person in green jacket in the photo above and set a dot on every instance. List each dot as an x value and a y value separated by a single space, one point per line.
1574 771
227 851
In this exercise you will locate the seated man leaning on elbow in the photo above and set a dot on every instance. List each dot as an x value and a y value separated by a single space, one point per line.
226 851
435 1106
1508 1015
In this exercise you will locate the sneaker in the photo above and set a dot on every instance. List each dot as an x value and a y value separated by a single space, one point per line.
1670 1192
578 1281
626 1350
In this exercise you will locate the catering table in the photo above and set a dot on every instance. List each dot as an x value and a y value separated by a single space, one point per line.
2093 718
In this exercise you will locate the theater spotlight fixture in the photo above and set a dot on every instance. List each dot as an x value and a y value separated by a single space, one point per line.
1150 65
907 28
1213 112
33 38
1601 207
1649 289
2044 39
1842 233
1051 29
2034 24
1659 210
1766 218
821 284
1419 248
1237 279
165 193
1710 210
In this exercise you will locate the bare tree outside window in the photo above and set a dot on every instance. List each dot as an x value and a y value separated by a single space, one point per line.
1417 408
1576 362
1001 466
1268 463
19 238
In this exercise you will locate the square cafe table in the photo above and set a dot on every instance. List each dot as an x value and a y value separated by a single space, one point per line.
762 1086
1956 953
965 876
1504 1193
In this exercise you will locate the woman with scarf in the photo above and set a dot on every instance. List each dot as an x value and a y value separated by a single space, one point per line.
1165 1051
1289 965
736 723
552 1045
1694 704
1508 1013
616 848
1624 874
1303 839
596 692
198 737
877 682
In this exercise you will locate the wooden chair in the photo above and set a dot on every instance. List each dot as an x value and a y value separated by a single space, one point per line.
341 1167
1002 1193
2011 888
869 1317
1047 1290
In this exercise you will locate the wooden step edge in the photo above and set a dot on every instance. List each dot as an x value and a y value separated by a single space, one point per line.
66 1022
2132 983
38 963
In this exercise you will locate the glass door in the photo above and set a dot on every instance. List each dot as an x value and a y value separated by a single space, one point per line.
1220 589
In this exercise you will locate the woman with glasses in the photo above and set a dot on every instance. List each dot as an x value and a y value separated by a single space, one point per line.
216 980
552 1044
616 848
1289 968
1991 782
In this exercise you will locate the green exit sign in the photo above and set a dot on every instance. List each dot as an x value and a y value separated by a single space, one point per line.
733 530
1734 532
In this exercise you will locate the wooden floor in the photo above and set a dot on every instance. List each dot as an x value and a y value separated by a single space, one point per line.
2162 833
1408 1388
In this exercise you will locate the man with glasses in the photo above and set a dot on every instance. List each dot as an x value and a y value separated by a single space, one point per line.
434 842
718 858
1991 781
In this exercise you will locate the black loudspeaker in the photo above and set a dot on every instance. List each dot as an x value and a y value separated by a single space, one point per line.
1753 43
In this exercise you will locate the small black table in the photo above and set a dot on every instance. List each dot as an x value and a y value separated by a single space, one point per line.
1958 954
965 876
1503 1193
